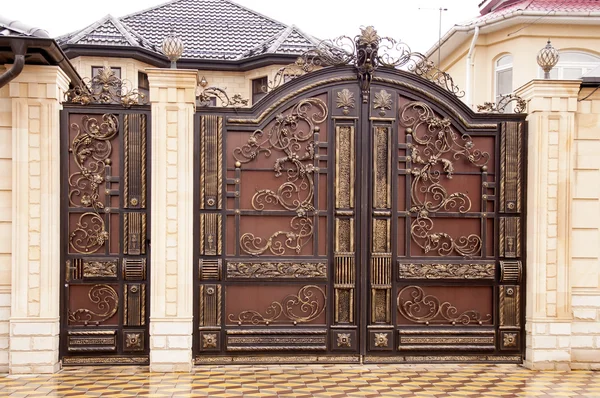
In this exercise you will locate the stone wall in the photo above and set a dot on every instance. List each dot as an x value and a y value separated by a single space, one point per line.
35 95
585 230
563 224
172 180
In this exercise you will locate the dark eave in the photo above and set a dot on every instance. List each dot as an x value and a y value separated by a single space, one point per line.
160 61
40 51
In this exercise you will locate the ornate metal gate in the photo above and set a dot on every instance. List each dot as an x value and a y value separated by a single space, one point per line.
359 210
105 174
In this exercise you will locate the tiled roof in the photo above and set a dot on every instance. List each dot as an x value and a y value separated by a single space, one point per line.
549 6
210 29
107 31
290 41
15 28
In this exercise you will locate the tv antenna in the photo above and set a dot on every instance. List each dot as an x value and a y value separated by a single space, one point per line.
440 9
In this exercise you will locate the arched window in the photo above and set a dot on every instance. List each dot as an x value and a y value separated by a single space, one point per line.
504 76
572 65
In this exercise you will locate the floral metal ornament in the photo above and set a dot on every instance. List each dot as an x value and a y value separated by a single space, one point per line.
343 340
381 339
133 341
345 100
382 101
205 96
503 104
414 305
209 340
435 148
91 149
367 52
509 339
105 88
305 306
292 136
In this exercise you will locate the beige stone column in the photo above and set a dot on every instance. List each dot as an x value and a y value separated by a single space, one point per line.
172 94
35 306
552 105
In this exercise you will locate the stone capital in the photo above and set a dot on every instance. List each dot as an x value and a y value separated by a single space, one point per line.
40 81
172 85
550 95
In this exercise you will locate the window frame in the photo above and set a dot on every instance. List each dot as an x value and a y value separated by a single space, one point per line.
499 69
258 95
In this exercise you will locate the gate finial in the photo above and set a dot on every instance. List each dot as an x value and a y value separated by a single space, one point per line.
367 45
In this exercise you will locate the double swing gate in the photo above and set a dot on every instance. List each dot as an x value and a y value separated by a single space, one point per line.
356 213
337 222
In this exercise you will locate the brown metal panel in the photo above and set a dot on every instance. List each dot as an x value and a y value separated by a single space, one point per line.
104 186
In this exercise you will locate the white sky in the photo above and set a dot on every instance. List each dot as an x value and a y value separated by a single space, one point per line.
325 19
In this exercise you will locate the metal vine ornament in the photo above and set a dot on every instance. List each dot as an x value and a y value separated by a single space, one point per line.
105 88
436 146
503 102
305 306
367 52
292 136
414 305
91 149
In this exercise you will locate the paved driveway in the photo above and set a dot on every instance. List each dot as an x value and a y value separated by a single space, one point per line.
308 381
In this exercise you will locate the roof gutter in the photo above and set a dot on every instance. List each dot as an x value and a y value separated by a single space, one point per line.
20 49
469 83
500 18
52 51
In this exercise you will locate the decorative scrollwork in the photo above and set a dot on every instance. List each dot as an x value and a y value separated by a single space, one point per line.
107 301
367 52
89 234
91 149
100 269
305 306
276 270
447 271
416 306
105 88
436 146
204 97
427 69
503 103
295 194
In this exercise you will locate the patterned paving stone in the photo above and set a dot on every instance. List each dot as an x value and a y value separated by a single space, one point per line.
308 381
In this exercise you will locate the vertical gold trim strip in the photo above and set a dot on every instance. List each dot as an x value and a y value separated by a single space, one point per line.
219 163
144 154
201 306
126 304
125 233
143 305
202 157
502 165
202 234
126 161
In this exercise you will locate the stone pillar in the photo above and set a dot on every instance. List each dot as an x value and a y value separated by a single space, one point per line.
35 289
172 94
552 105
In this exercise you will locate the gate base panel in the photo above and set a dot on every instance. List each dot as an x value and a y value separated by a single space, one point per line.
105 360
